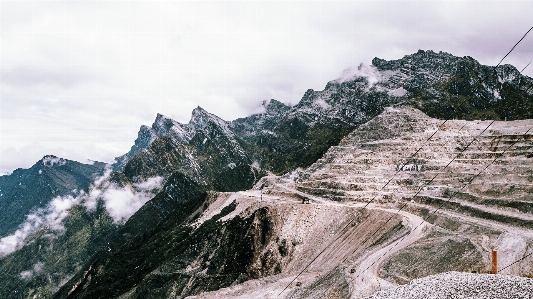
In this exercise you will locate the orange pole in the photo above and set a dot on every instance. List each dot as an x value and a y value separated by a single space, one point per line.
494 262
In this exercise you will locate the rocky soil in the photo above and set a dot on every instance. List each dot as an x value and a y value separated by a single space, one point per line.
462 285
431 237
350 191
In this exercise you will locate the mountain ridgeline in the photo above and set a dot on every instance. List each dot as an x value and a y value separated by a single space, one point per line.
169 248
284 138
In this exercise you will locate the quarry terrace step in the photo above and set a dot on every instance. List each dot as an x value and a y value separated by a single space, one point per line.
487 214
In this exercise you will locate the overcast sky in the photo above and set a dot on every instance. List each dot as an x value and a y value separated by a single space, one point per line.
78 78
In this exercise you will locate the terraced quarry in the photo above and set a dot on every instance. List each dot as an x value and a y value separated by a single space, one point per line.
402 197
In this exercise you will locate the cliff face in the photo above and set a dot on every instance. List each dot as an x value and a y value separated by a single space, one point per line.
172 219
209 154
283 138
433 210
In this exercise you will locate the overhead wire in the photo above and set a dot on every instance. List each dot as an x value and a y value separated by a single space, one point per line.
526 66
398 170
388 182
514 47
456 192
453 195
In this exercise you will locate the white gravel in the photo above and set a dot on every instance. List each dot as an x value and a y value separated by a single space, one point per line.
462 285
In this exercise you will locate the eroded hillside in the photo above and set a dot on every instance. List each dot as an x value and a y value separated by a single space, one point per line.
367 196
402 197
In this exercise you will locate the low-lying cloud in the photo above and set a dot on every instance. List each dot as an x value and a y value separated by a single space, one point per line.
120 202
50 217
28 274
367 71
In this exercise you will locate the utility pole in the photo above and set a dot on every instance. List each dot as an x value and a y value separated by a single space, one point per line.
494 269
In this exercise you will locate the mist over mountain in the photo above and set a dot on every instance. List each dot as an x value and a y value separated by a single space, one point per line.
26 190
216 206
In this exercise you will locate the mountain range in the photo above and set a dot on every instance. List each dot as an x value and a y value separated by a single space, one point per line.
213 208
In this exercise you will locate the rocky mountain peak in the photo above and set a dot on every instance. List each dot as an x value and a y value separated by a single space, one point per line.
51 160
145 136
200 115
421 59
201 120
163 125
274 107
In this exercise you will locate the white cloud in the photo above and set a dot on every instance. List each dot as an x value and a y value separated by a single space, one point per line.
369 72
37 268
120 203
149 185
51 217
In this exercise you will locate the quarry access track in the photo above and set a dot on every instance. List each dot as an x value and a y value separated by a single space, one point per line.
345 251
364 271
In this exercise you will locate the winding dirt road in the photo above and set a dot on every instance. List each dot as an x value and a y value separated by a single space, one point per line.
365 279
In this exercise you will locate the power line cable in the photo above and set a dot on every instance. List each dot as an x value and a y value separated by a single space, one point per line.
453 195
523 258
526 66
514 47
366 205
442 204
399 169
403 206
424 220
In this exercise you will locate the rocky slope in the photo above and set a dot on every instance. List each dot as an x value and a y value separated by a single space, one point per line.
265 243
164 224
205 150
284 138
440 84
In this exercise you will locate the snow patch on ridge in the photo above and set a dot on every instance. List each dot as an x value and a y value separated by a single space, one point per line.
53 160
322 103
398 92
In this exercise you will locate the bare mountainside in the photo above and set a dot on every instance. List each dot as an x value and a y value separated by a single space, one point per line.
163 222
401 197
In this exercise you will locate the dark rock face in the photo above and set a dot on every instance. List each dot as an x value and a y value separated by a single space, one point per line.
162 126
26 190
209 154
178 188
162 157
225 252
447 87
150 254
